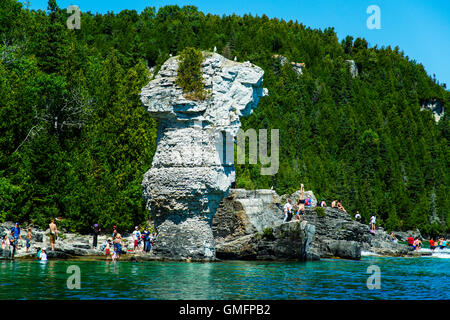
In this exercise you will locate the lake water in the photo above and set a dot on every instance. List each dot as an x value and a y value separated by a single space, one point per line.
400 278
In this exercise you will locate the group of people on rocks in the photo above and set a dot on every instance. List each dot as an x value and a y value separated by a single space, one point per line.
416 244
143 241
303 202
12 241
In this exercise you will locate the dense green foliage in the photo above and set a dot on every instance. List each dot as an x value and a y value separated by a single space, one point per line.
75 140
189 74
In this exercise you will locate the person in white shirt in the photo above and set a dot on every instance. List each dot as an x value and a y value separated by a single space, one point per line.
287 211
357 216
136 237
43 255
373 220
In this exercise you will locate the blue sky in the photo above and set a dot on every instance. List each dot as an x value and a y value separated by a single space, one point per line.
419 28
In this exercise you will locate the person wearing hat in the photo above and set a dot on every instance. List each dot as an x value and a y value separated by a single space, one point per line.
96 233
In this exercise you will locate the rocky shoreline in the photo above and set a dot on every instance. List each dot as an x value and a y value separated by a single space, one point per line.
247 226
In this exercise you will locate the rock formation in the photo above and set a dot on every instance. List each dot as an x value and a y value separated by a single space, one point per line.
436 107
249 225
67 246
353 68
192 168
245 212
296 66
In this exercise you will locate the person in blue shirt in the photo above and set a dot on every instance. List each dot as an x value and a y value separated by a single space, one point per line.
17 232
147 244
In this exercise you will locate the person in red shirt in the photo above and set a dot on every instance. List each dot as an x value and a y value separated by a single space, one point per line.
432 244
410 241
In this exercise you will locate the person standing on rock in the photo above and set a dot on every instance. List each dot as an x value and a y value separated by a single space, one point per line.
17 235
358 216
287 211
28 239
147 245
4 242
373 220
301 199
96 233
136 238
118 244
53 233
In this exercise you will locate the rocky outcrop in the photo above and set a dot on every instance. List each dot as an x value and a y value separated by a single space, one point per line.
244 212
68 245
249 225
296 66
353 68
287 241
404 235
337 235
192 168
239 235
436 107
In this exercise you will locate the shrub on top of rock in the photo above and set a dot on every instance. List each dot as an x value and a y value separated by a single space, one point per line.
189 76
268 233
320 211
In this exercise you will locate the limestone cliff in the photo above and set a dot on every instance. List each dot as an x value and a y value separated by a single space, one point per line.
192 168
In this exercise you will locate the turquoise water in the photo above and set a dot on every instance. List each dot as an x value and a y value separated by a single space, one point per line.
401 278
